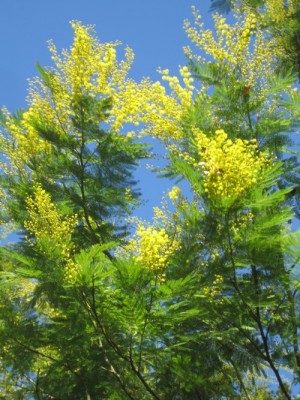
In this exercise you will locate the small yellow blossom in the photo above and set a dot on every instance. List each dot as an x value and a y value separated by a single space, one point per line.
153 247
230 167
45 220
214 290
240 53
279 11
175 193
91 70
46 224
27 142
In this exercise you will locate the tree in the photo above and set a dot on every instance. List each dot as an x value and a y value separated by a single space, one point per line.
279 18
202 302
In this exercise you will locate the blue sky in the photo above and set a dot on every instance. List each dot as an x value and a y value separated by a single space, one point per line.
153 29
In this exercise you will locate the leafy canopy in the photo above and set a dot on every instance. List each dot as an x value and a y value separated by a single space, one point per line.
203 302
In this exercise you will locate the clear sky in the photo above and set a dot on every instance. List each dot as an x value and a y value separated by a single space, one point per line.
153 29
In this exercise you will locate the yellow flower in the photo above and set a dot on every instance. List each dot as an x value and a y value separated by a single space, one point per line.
175 193
46 223
153 247
236 48
229 167
90 69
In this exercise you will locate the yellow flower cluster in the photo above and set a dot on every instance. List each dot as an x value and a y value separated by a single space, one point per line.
88 66
215 289
92 68
250 57
278 11
45 220
281 17
184 94
230 167
175 193
163 114
153 247
214 256
25 138
47 225
160 215
241 222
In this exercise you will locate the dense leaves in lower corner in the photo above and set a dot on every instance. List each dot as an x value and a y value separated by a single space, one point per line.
200 303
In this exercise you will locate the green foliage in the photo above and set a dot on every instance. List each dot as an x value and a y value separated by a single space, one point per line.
85 314
285 28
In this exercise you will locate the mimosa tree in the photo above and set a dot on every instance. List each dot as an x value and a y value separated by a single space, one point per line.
200 303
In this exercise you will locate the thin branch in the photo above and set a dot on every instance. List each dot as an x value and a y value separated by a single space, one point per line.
93 310
257 318
148 310
265 339
39 353
110 368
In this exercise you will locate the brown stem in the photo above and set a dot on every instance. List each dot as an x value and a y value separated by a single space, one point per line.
257 318
129 360
264 337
